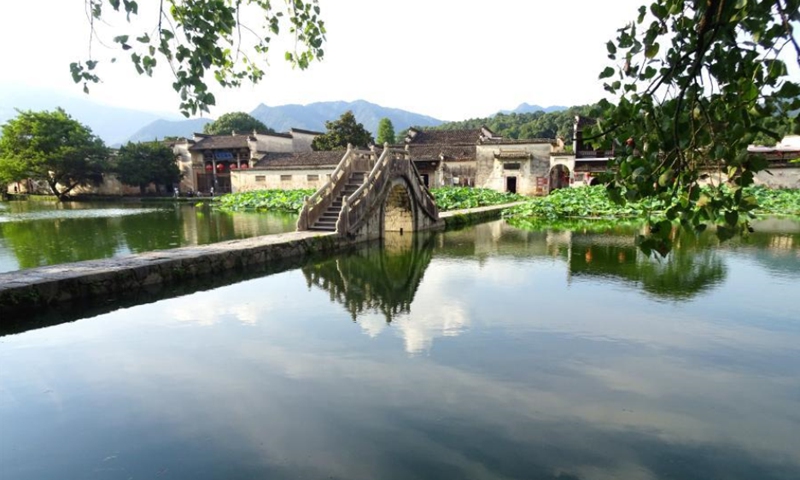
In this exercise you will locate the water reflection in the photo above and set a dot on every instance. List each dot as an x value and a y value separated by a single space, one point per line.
36 233
536 373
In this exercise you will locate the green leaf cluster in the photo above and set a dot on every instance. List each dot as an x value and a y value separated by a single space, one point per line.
346 130
385 132
526 125
264 200
458 198
697 82
51 147
140 164
202 38
584 202
239 122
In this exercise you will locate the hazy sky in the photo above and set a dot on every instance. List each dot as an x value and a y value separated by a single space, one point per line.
445 58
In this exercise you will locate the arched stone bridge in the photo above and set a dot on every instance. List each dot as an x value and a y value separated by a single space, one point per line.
367 196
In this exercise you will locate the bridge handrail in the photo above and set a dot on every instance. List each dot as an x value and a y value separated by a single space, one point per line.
355 207
315 205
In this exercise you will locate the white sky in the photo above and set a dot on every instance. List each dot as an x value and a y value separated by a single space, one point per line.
445 58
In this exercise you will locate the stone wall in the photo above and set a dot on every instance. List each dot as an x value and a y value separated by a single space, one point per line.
289 179
28 290
83 286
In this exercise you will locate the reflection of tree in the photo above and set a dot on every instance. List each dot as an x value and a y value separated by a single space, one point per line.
52 241
690 269
381 277
158 229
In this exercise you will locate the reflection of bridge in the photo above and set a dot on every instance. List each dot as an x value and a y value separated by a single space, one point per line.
380 278
366 197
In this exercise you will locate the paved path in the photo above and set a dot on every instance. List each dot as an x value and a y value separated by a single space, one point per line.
30 289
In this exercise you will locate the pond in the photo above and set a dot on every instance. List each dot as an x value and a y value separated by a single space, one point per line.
487 352
38 233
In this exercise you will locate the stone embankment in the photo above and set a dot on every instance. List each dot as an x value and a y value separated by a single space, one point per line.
26 291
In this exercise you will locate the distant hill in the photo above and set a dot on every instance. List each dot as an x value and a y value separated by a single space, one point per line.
166 128
314 115
113 124
527 108
538 124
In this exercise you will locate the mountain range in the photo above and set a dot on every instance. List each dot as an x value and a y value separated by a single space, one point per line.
119 125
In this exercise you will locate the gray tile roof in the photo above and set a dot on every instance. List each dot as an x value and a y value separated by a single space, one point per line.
464 153
214 142
450 137
281 161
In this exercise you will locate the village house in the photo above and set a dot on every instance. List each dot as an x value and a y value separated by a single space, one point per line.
210 161
480 158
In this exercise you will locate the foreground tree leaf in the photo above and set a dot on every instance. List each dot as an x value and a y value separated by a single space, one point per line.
229 39
699 81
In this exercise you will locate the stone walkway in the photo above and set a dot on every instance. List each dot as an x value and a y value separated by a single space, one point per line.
36 288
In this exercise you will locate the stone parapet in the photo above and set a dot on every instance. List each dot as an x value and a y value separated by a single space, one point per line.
30 290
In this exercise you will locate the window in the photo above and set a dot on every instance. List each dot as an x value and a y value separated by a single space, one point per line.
286 178
312 178
261 178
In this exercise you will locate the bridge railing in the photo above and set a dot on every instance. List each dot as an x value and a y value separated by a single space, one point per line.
390 164
315 205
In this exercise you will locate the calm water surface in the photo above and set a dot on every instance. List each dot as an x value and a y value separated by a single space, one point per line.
489 352
34 234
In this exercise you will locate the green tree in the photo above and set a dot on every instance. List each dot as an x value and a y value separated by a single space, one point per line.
235 122
697 82
51 147
385 131
195 38
141 164
341 132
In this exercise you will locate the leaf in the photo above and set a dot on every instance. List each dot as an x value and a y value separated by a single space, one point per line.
607 72
652 50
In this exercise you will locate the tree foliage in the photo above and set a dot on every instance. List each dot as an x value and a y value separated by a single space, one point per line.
341 132
140 164
697 82
196 38
526 125
385 132
51 147
239 122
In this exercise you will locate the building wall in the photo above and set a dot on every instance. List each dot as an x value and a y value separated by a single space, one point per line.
249 180
301 142
458 174
492 173
184 160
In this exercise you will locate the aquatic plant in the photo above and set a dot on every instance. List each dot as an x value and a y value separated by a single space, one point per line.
458 198
263 200
593 202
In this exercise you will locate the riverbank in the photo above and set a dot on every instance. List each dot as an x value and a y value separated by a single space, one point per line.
24 291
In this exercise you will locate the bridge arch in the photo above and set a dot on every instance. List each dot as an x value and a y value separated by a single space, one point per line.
391 197
398 211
